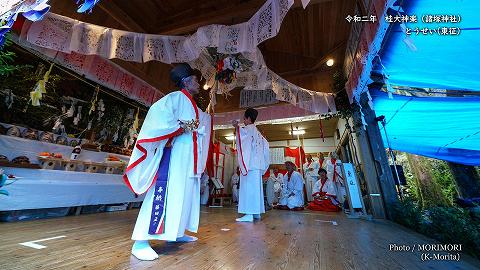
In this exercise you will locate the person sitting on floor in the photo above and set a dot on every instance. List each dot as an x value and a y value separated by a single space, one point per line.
324 195
292 193
204 189
235 185
274 186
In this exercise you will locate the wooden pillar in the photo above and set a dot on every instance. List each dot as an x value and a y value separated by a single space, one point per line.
382 167
368 167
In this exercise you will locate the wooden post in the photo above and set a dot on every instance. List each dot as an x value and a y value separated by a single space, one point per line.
379 155
375 194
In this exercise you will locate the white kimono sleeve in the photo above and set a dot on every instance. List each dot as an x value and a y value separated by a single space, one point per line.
159 126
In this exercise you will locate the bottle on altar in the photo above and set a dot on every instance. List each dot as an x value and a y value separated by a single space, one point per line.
76 152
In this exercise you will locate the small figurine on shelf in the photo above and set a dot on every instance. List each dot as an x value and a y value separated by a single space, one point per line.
76 151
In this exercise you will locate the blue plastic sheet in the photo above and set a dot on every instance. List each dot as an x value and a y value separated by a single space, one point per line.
446 128
446 62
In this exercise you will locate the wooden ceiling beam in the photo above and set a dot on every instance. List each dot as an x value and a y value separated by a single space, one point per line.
170 26
120 16
189 24
317 67
298 3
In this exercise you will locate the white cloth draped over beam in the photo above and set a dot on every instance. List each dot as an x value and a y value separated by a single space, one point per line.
67 35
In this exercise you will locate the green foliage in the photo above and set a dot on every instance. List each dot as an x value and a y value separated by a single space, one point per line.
442 175
6 60
454 225
450 225
438 170
408 213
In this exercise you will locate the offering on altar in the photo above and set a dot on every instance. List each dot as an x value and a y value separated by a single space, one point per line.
62 140
30 134
46 137
21 160
13 131
112 158
76 151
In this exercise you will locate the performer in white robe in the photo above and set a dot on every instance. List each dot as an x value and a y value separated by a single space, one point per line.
334 172
204 190
167 161
274 186
235 183
322 163
310 170
254 159
325 195
292 192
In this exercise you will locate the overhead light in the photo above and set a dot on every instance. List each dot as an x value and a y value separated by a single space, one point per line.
297 132
330 62
205 87
230 137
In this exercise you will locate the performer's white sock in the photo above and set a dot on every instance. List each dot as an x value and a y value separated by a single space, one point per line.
256 216
246 218
186 238
143 251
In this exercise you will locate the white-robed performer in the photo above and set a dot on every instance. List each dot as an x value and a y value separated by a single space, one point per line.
235 183
204 190
274 186
310 169
325 194
169 156
292 192
254 159
334 173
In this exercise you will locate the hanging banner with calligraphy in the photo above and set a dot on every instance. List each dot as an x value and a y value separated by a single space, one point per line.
254 98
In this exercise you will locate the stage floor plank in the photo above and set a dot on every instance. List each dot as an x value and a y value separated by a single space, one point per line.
282 240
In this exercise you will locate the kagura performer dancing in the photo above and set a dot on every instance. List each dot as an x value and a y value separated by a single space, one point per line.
167 162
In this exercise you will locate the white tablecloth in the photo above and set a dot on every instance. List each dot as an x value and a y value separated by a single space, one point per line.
51 188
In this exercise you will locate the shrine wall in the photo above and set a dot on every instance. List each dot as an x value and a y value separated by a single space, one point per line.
310 145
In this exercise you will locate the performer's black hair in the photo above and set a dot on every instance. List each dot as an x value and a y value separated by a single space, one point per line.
322 170
252 114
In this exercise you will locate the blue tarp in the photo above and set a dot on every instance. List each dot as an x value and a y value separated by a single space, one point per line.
446 62
446 128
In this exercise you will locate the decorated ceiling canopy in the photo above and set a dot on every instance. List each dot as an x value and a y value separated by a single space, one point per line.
236 45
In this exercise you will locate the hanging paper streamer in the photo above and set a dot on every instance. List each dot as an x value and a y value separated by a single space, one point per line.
88 5
37 94
101 109
94 100
77 118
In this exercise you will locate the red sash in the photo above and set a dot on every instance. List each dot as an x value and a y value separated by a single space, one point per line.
194 133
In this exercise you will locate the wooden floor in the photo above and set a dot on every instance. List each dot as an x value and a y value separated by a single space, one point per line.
282 240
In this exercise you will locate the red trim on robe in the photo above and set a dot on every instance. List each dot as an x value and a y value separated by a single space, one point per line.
241 152
144 156
194 134
334 162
